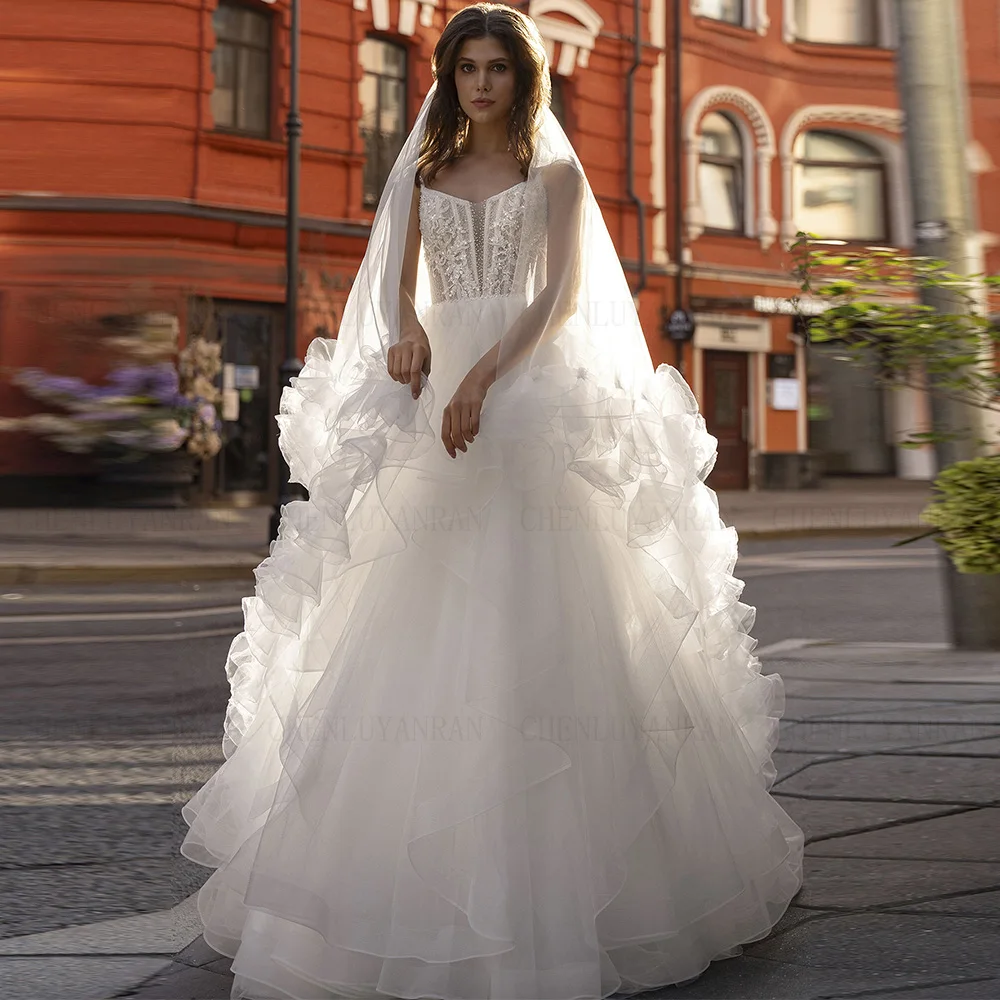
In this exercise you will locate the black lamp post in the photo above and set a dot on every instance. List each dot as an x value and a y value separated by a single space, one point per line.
291 365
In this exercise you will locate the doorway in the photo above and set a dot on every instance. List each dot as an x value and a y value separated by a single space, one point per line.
727 414
245 472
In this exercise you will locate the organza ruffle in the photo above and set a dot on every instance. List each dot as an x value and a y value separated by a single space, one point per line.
572 565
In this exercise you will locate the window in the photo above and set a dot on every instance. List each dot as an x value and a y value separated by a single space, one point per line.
720 173
559 100
722 10
840 188
241 64
837 22
383 111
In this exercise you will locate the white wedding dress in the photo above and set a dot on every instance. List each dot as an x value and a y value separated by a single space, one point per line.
494 734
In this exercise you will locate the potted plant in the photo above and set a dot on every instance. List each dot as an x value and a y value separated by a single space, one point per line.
966 518
876 319
145 426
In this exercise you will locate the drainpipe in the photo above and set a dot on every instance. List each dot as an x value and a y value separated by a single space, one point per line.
640 206
678 176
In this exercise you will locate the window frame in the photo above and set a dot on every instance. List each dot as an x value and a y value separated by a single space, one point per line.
370 198
881 33
881 166
741 14
269 51
739 167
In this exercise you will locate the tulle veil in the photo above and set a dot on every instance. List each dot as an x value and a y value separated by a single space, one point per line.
580 383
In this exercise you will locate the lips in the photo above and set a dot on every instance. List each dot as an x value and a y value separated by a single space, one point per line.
482 104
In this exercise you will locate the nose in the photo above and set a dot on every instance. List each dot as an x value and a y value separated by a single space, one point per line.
482 84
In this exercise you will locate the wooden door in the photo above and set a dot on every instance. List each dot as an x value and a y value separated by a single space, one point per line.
727 414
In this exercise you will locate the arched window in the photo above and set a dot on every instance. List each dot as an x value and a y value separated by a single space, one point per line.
840 188
720 173
383 111
837 22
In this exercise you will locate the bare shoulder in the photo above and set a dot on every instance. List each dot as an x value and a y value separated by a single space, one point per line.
564 183
563 176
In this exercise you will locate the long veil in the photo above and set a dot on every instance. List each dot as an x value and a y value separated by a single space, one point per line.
579 383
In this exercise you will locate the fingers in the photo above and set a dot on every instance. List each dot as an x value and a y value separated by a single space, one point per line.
459 426
399 361
416 366
406 361
467 423
449 445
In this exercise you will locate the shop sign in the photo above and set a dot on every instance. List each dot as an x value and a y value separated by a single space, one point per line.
789 307
723 333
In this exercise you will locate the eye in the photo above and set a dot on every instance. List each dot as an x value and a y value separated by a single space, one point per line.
500 66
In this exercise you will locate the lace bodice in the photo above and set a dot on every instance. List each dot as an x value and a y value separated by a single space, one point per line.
483 248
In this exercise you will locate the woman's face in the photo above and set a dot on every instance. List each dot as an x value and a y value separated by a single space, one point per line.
484 79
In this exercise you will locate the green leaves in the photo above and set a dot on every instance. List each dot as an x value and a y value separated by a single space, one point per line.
966 514
878 316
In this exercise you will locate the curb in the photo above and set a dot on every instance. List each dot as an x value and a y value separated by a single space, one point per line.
21 575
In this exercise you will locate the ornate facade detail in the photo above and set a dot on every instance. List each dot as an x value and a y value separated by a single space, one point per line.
763 132
835 115
408 12
575 41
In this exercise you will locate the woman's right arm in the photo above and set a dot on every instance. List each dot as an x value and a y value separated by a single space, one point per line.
412 353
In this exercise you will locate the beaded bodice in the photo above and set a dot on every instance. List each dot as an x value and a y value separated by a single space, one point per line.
483 248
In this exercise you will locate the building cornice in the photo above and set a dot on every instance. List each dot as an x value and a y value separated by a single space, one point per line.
182 209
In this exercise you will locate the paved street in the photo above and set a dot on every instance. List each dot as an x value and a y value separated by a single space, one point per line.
111 714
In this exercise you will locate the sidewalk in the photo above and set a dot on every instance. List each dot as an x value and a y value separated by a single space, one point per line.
65 545
890 761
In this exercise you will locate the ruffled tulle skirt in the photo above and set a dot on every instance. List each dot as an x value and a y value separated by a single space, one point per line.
497 729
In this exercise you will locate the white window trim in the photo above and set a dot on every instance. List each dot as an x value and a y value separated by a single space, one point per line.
576 40
888 35
408 12
840 118
758 154
755 16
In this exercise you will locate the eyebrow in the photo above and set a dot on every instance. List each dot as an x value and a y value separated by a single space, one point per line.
466 59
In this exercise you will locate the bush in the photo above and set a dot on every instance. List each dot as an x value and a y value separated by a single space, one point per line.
967 514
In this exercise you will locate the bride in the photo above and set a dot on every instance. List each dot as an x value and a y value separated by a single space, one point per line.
496 728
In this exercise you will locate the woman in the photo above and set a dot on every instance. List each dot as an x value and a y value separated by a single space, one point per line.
496 727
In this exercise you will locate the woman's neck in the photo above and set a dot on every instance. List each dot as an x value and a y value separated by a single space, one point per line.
486 140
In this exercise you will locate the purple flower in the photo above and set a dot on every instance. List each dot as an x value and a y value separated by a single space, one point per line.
158 381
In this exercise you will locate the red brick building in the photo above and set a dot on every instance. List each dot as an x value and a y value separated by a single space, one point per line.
142 167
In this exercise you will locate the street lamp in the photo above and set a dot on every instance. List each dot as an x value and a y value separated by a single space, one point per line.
291 365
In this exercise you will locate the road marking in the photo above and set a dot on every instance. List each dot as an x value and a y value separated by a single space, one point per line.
119 616
205 633
792 645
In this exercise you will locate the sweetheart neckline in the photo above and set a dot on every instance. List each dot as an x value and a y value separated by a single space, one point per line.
468 201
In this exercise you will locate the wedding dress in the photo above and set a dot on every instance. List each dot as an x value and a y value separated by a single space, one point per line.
497 731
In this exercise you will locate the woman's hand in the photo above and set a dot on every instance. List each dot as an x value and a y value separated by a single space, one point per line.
460 423
409 357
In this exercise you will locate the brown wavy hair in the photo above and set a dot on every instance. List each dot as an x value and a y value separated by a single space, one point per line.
447 125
